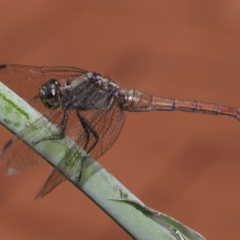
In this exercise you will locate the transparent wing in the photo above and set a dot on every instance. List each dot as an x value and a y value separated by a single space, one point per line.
108 124
26 81
19 156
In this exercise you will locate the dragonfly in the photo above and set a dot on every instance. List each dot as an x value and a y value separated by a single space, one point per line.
85 106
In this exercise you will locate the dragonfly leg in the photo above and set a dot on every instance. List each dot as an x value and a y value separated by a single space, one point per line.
87 130
59 135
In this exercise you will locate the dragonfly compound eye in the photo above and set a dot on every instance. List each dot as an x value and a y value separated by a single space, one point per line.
50 94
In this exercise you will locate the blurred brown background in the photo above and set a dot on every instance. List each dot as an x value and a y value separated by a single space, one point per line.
185 165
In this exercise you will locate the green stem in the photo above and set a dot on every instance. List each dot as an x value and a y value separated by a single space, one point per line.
100 186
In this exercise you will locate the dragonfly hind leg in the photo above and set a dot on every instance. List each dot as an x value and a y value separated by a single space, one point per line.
87 130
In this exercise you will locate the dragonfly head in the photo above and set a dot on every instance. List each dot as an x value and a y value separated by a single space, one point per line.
50 94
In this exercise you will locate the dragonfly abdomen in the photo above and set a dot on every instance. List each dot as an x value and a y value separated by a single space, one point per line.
138 101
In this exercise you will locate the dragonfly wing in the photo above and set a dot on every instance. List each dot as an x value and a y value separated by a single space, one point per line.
26 80
52 182
19 156
108 124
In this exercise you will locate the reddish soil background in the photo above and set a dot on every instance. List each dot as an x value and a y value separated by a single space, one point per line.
185 165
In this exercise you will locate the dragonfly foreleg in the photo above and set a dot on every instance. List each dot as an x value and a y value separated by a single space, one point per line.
60 134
